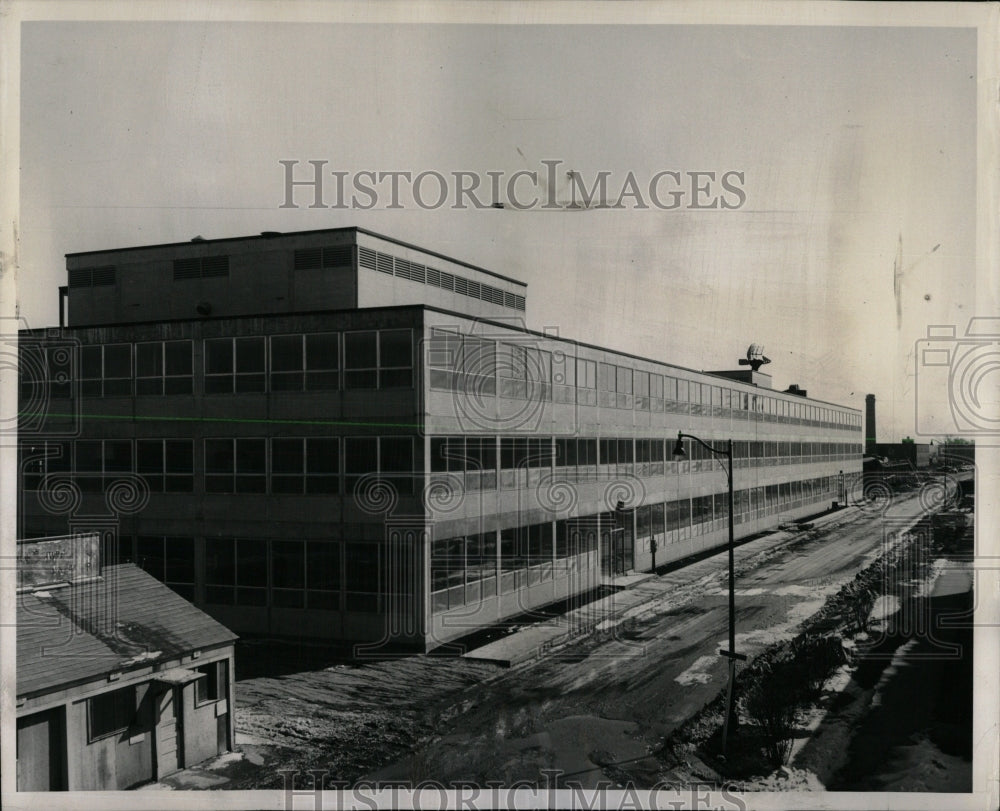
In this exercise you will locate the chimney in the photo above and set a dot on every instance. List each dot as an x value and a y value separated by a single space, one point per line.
870 424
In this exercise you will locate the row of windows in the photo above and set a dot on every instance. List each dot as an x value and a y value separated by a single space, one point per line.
416 272
167 465
315 465
478 453
276 465
469 363
312 574
469 568
365 359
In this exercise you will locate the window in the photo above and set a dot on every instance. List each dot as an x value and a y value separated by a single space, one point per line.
235 465
106 370
310 465
362 576
481 557
360 459
395 358
218 366
163 367
169 560
642 391
564 369
477 374
101 462
213 683
167 465
539 544
512 367
236 571
513 452
287 359
234 364
444 358
538 368
606 382
118 370
396 462
586 382
288 573
656 392
111 713
305 362
513 551
360 360
249 364
323 575
623 378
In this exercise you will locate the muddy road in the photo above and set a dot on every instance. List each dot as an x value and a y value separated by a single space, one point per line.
606 697
614 696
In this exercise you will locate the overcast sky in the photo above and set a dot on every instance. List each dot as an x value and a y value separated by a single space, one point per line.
849 140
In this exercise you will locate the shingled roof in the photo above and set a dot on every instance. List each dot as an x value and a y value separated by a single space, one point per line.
122 620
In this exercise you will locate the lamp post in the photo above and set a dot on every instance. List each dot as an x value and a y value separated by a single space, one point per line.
731 654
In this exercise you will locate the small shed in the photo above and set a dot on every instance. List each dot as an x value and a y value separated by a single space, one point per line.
120 681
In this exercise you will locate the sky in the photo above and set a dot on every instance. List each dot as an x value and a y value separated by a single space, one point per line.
855 148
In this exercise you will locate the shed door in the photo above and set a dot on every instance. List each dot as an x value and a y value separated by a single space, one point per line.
168 734
41 748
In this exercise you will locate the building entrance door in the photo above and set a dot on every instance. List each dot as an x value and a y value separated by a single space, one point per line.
168 733
614 561
41 749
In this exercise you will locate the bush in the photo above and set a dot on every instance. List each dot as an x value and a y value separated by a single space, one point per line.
815 658
770 703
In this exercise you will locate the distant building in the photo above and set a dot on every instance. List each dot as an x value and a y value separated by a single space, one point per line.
956 453
916 454
119 680
348 437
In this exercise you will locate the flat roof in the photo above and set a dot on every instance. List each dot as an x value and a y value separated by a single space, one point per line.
272 235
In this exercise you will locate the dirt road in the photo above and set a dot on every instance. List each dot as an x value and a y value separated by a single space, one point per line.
605 698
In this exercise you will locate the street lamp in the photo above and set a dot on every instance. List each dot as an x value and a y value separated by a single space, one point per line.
731 654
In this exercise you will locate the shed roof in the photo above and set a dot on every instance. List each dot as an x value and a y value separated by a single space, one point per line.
121 620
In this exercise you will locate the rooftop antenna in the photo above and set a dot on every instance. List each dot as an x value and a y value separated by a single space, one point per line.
755 357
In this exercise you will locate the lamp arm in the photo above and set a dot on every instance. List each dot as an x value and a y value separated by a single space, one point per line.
717 451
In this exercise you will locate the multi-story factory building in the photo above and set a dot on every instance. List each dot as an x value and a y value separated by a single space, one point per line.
333 434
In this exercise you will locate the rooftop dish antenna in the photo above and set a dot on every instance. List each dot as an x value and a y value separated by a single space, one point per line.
755 357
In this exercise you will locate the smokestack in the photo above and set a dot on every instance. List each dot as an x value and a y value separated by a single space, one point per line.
870 424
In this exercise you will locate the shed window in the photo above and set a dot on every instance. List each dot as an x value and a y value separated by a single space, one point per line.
111 713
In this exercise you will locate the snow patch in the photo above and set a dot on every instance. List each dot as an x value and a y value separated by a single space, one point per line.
937 566
885 606
696 674
224 760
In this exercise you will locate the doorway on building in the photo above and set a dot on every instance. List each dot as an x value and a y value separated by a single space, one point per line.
41 751
169 732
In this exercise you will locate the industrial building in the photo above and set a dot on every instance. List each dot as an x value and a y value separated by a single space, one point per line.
336 435
120 681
